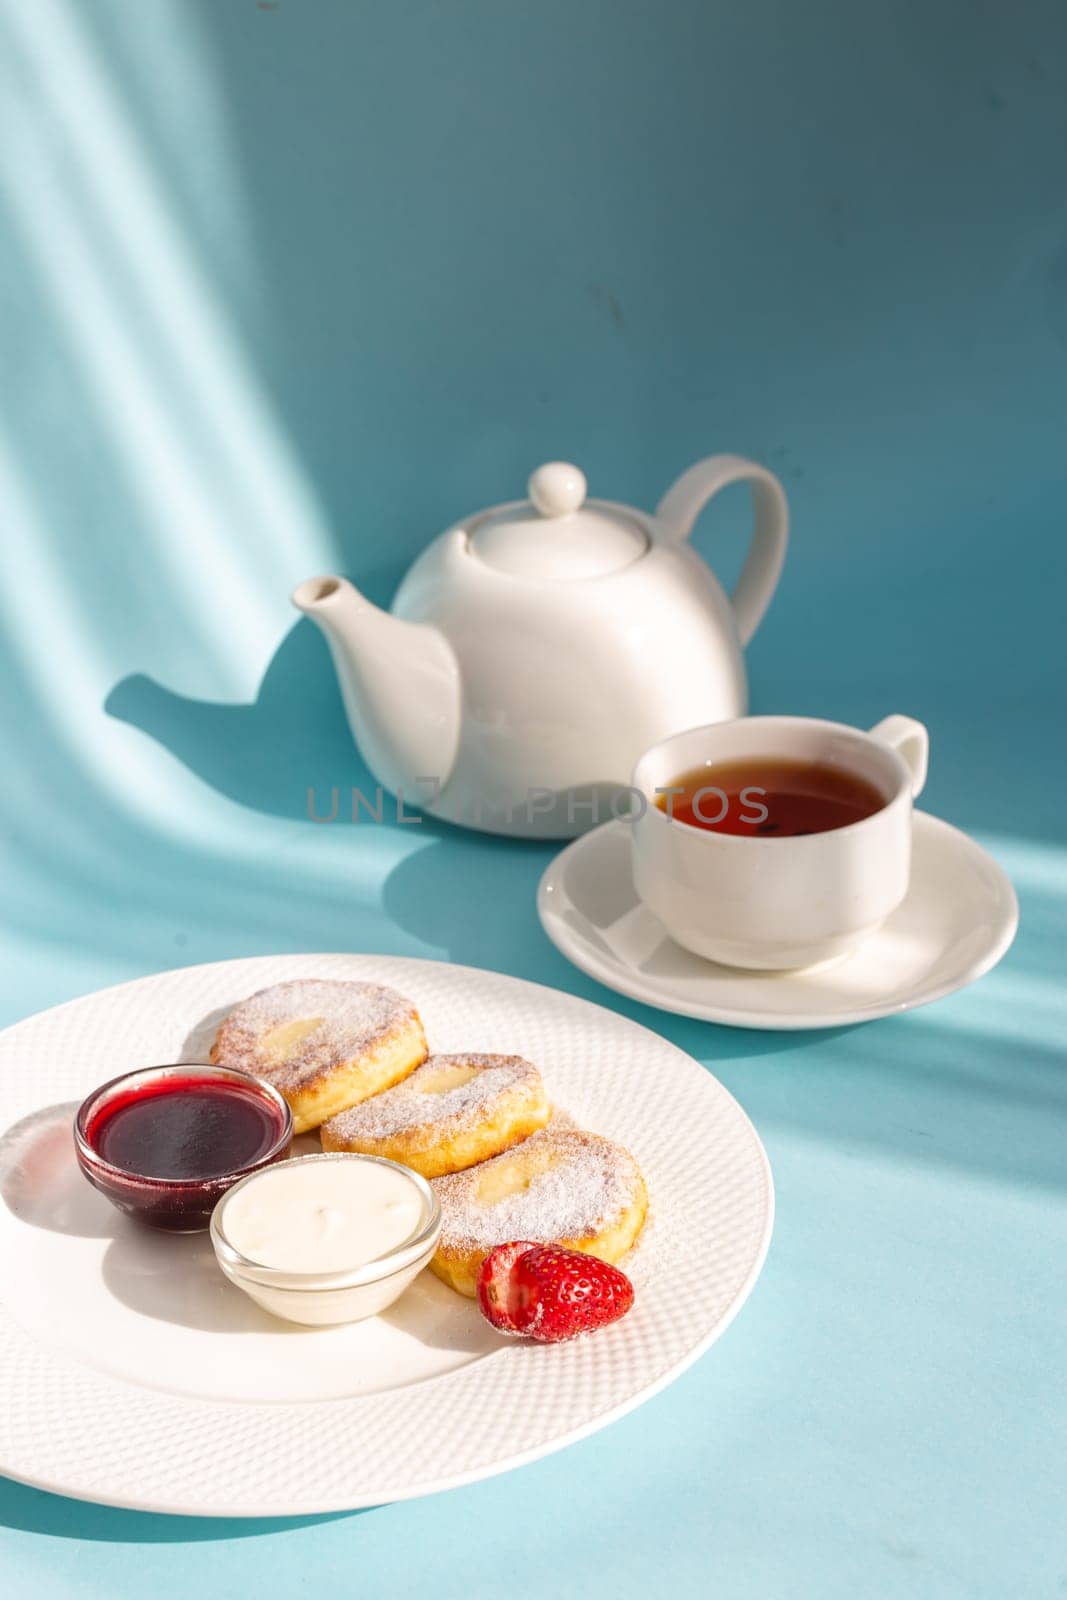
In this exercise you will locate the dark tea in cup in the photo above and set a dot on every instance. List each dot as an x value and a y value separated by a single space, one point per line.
769 798
829 809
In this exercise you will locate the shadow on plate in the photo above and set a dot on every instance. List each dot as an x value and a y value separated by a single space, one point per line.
174 1277
41 1185
440 1319
198 1041
41 1182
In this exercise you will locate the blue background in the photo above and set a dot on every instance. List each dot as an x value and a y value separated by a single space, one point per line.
286 288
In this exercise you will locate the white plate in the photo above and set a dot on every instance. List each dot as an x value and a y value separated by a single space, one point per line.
957 920
132 1373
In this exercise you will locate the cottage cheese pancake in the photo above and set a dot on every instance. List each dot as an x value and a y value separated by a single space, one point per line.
453 1111
324 1045
560 1186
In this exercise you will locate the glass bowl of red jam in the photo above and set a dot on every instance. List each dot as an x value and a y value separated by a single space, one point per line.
165 1143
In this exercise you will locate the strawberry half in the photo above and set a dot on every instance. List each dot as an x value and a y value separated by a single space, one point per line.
557 1294
496 1283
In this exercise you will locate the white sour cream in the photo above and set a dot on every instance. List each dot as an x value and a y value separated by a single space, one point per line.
322 1216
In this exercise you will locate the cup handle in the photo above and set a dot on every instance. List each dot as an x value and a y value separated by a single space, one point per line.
686 499
910 740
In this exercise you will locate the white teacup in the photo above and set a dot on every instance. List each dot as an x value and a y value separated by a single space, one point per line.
777 903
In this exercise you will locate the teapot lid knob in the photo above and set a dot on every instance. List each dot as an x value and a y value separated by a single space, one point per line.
557 488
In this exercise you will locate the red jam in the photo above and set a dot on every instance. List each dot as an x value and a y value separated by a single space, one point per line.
165 1144
185 1128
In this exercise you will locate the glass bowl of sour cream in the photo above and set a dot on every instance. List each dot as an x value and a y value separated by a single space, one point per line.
323 1239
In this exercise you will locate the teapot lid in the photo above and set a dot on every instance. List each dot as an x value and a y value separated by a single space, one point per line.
556 534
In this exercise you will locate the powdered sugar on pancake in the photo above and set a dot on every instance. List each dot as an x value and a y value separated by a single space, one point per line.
586 1192
408 1106
350 1020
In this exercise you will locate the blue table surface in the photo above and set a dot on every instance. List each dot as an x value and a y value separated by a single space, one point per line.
286 290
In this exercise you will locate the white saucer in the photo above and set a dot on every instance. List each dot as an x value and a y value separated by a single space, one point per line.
958 919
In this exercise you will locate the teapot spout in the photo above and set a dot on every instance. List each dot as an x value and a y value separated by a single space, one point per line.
400 683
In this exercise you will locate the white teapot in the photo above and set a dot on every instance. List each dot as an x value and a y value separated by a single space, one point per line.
536 649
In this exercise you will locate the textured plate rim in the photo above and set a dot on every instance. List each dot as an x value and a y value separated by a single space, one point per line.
620 981
284 1506
459 1480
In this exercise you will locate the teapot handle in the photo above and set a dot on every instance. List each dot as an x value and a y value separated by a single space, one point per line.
685 500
